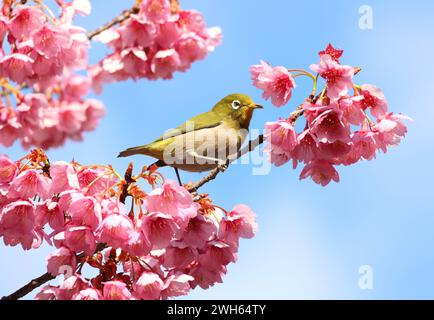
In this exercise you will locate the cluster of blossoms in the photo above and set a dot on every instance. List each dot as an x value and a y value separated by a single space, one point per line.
157 40
339 129
40 46
43 53
47 119
168 243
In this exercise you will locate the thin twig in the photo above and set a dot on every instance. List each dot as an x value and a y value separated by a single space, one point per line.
119 19
213 174
174 5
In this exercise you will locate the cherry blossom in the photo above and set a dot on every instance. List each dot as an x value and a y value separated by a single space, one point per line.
277 83
154 43
168 243
344 122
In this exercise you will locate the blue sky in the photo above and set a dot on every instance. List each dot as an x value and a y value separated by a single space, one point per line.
311 240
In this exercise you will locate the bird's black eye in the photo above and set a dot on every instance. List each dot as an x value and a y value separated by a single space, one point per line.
236 104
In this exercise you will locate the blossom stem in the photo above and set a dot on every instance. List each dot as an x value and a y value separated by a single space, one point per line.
118 20
303 72
47 11
252 145
315 85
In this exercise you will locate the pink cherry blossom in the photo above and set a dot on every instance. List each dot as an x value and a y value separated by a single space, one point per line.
364 147
277 83
334 53
28 184
198 231
330 127
390 129
60 260
80 239
374 99
334 151
9 127
206 274
71 286
25 19
138 32
240 222
115 230
64 177
164 62
116 290
176 285
17 67
179 255
88 294
17 225
173 200
168 35
50 212
94 181
339 78
94 113
162 255
71 117
138 244
321 171
8 169
47 293
85 211
156 11
307 147
133 62
50 40
159 228
190 48
148 286
282 140
218 254
74 87
154 44
351 109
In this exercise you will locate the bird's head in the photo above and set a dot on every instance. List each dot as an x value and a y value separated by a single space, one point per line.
238 107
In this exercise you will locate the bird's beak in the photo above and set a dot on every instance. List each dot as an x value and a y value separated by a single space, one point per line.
256 106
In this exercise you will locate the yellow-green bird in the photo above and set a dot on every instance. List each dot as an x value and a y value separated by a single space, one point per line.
205 141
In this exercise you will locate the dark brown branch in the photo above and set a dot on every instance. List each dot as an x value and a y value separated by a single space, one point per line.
32 285
128 181
213 174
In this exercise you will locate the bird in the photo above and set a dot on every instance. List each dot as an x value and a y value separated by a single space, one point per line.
205 141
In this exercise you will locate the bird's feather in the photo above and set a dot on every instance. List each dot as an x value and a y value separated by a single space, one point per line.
202 121
205 120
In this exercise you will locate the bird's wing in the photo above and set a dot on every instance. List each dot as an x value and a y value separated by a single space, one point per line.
202 121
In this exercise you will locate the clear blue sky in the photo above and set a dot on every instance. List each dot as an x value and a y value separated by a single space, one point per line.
311 240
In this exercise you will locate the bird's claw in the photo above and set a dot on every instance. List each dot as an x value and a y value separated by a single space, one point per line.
223 167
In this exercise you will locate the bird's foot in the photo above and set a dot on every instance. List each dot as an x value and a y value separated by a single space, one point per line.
223 166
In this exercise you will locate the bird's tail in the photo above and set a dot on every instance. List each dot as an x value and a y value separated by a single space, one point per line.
132 151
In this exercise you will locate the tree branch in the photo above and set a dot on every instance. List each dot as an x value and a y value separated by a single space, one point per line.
174 4
119 19
29 287
213 174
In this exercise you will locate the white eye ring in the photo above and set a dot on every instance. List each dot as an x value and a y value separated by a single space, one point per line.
236 104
